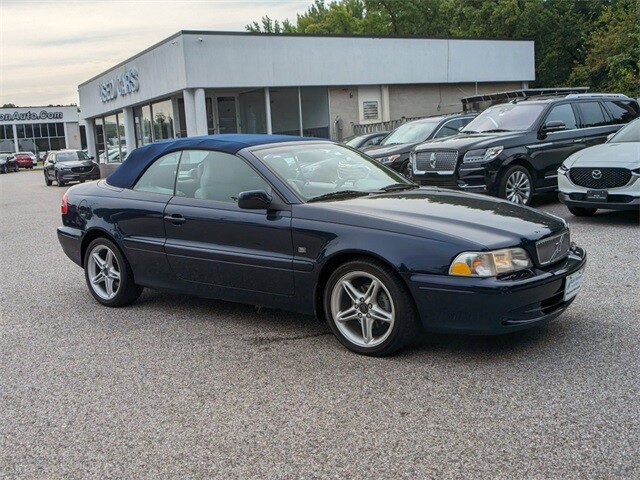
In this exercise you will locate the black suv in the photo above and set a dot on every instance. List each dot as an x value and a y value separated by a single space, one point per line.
514 149
394 150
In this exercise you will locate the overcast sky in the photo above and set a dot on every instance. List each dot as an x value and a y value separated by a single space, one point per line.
47 47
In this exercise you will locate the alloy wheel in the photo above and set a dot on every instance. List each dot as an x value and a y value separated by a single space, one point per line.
104 272
518 188
362 309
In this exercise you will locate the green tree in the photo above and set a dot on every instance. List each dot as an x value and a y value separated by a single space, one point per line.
612 59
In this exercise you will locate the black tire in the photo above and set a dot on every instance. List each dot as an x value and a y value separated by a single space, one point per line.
47 180
582 211
4 169
60 182
127 291
516 185
393 297
16 168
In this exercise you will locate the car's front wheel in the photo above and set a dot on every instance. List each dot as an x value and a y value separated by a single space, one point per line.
47 180
108 274
582 211
3 169
517 185
369 309
58 180
16 168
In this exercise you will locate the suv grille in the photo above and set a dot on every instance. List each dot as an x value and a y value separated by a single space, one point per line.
436 161
608 177
554 248
81 169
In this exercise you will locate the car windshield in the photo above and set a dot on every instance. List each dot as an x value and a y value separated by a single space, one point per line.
353 141
415 132
628 133
510 117
71 156
325 169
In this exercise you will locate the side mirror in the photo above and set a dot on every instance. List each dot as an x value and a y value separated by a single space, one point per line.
254 200
50 161
553 126
92 157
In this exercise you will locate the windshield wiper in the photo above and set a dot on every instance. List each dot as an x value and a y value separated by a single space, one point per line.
496 130
338 194
468 131
394 187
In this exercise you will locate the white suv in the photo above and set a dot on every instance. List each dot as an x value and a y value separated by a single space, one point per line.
604 176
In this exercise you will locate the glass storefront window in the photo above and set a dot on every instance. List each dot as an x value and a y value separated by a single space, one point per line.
253 117
100 138
285 111
315 111
162 120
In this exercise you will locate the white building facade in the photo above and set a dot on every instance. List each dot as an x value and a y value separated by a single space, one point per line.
198 83
39 129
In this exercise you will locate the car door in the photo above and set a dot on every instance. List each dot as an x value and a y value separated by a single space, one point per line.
552 148
211 241
595 122
138 216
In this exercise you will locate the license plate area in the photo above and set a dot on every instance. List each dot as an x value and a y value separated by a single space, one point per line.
597 195
572 284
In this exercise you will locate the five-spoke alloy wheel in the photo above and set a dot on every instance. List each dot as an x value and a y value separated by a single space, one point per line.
369 310
108 274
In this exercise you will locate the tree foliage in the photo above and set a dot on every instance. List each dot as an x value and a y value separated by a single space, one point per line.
592 43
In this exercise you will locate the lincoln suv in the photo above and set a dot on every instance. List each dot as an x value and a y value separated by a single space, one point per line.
514 149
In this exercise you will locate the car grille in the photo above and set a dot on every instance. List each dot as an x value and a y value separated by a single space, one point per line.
81 169
608 177
554 248
437 181
436 160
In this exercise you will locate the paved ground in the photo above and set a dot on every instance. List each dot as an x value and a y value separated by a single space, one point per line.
185 387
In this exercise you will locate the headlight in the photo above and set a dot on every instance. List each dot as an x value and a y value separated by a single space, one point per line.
481 156
490 264
389 159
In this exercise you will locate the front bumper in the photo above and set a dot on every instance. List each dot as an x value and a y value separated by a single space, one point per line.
620 198
491 306
69 176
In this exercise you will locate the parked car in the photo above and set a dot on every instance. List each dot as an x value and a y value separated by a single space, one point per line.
605 176
365 140
32 156
233 217
23 160
8 163
394 149
64 166
514 150
113 155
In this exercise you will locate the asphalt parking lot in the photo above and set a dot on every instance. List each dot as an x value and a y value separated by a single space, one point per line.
176 387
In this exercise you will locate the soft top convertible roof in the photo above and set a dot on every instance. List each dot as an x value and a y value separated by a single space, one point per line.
140 158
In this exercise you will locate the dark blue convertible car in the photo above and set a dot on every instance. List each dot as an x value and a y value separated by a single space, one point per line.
316 227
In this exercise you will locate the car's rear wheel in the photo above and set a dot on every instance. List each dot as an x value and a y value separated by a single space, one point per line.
369 309
517 185
582 211
108 274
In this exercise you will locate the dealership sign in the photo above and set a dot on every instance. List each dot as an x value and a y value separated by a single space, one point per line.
30 115
122 85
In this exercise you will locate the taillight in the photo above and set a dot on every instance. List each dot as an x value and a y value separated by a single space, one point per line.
64 208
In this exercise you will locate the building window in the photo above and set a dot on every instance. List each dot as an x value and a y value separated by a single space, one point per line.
162 120
253 117
315 111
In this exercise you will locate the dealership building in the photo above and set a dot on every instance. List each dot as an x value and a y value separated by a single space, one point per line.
200 82
39 129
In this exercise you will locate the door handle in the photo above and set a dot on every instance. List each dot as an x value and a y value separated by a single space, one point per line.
176 219
579 140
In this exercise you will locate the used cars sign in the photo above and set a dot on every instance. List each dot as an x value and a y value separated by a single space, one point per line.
122 85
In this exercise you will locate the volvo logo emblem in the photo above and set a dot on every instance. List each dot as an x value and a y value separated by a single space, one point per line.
432 160
558 248
596 174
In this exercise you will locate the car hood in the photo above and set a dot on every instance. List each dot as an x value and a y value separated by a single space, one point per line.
624 154
76 163
379 151
441 214
467 141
